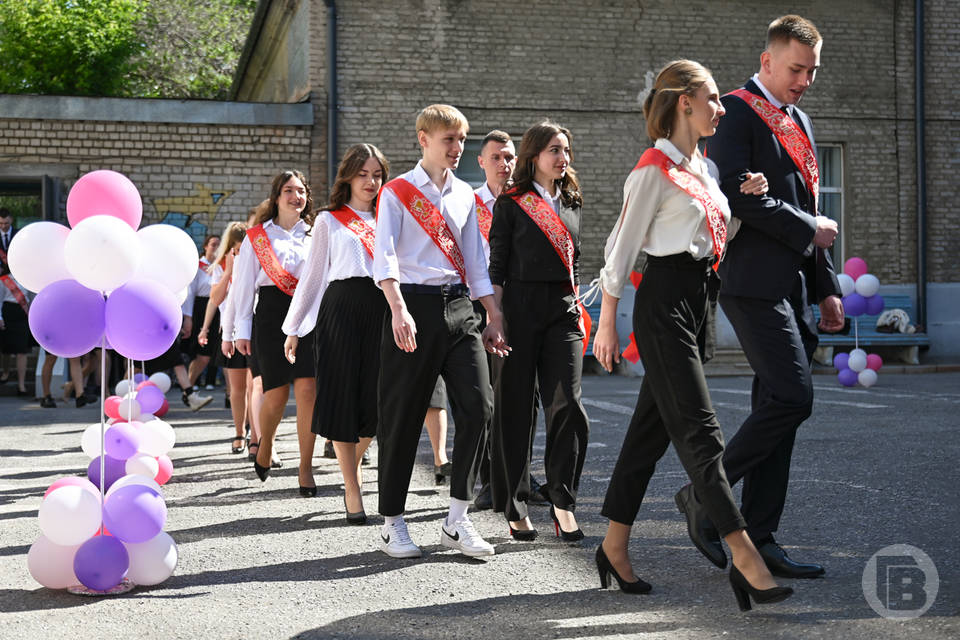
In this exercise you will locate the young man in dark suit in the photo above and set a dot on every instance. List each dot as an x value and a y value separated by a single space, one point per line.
775 268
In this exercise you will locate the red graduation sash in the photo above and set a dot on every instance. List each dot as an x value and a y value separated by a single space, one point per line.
357 225
268 260
431 220
695 189
791 137
484 217
17 293
632 352
560 239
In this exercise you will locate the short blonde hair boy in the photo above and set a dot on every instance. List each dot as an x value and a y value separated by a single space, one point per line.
441 116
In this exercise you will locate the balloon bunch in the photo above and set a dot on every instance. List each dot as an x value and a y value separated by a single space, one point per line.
860 296
143 274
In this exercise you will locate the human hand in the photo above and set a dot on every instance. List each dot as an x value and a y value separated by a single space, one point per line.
404 329
202 336
831 314
226 347
606 347
754 185
290 348
243 346
494 337
826 232
186 328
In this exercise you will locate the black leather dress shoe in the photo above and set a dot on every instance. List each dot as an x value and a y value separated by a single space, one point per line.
783 567
701 531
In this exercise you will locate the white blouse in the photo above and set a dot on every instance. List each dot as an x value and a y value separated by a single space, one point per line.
291 248
199 287
336 253
661 219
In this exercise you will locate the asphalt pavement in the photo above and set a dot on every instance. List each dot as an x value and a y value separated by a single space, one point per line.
872 468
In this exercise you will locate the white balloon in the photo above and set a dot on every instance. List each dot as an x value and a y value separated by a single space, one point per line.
124 387
36 256
847 286
52 564
867 285
156 438
867 377
153 561
162 380
182 295
169 256
90 441
858 360
143 465
135 478
129 408
69 515
102 252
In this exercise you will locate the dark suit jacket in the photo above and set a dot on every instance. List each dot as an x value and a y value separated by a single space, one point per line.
13 232
765 258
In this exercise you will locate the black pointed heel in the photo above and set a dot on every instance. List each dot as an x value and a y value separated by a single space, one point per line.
744 591
524 535
605 569
355 518
566 536
262 472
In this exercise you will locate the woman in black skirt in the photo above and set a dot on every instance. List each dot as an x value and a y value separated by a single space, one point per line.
270 261
675 212
15 337
198 298
534 268
338 279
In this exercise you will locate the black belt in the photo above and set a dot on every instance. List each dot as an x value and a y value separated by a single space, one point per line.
449 290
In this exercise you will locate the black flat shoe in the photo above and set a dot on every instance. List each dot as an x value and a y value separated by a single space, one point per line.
365 458
566 536
702 533
783 567
743 591
308 492
524 535
48 402
605 569
262 472
441 473
356 518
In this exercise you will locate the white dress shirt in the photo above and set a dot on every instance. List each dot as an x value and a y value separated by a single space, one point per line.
199 287
336 253
291 248
661 219
405 253
552 200
227 332
488 199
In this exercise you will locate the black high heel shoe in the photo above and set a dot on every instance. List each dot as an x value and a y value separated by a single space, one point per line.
605 569
441 473
308 492
523 535
355 518
743 591
262 472
252 455
566 536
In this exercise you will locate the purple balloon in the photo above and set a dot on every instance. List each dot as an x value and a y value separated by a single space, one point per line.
101 563
121 441
139 377
847 377
67 319
143 319
150 398
113 470
840 361
134 513
875 305
853 305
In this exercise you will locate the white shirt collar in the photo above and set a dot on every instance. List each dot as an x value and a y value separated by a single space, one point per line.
766 92
546 194
485 193
299 226
695 164
422 178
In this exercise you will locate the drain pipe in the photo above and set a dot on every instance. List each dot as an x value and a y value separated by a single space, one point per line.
332 129
921 126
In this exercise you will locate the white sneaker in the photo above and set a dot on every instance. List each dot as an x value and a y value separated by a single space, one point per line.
196 401
464 538
396 541
209 387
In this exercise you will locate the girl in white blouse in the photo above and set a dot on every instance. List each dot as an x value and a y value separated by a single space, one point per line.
338 283
676 214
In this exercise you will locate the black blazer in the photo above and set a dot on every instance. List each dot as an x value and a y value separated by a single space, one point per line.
13 232
765 257
519 250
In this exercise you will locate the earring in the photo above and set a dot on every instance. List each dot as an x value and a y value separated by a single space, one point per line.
688 110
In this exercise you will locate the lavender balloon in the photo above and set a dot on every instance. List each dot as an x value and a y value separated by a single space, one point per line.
139 377
121 441
101 563
142 319
847 377
134 513
853 305
150 398
875 305
840 361
67 319
113 470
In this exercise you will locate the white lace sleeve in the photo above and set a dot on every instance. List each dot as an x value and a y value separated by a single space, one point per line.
302 315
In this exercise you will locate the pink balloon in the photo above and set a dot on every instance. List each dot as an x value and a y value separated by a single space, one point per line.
111 407
107 193
855 267
73 481
874 361
166 470
162 411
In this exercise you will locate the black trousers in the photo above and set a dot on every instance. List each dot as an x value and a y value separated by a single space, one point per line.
541 324
448 344
779 338
671 312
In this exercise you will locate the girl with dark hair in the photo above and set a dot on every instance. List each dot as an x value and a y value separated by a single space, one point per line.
338 281
267 268
534 268
674 211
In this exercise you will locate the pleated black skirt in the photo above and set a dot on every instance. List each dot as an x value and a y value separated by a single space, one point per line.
347 345
268 338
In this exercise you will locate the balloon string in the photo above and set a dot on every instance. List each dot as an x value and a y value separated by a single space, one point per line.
856 333
103 400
